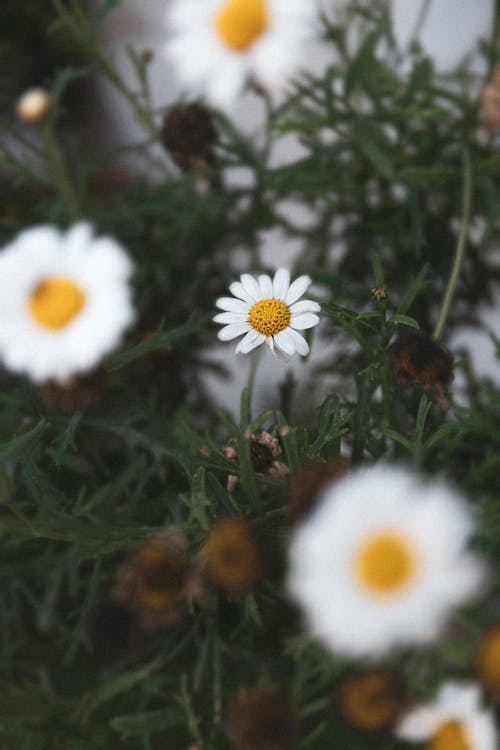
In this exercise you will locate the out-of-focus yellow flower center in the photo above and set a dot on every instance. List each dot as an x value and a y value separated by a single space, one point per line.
231 556
55 302
371 700
450 736
269 316
385 563
240 23
489 659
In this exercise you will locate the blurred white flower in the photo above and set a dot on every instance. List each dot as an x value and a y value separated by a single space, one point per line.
217 45
454 721
64 301
267 310
382 560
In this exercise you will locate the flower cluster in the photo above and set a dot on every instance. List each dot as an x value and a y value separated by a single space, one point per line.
218 46
380 563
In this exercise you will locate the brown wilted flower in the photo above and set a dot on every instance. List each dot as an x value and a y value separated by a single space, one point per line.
416 356
189 135
77 393
154 581
489 111
113 629
488 659
371 700
263 718
309 482
264 448
231 556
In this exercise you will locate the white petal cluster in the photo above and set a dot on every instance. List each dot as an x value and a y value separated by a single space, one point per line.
324 581
99 267
250 291
455 702
205 64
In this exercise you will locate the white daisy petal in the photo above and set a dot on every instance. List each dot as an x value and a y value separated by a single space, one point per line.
303 321
64 301
250 286
304 305
229 317
297 289
285 342
208 57
419 724
281 283
250 341
259 310
233 330
266 286
477 725
231 305
227 82
301 344
238 290
354 601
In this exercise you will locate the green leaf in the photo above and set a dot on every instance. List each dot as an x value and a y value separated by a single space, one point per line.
404 320
147 722
371 144
160 340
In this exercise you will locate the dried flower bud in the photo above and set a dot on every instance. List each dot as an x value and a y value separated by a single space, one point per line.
263 718
379 293
75 394
147 55
33 106
264 448
189 135
416 356
489 113
371 700
231 556
308 484
112 629
153 581
488 661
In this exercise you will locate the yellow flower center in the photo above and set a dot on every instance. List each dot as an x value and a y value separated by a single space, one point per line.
55 302
371 700
241 22
489 659
450 736
385 563
269 316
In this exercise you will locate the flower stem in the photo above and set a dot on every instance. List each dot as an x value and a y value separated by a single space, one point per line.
460 248
60 172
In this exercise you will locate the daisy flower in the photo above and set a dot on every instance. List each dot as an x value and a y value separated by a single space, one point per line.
267 310
64 301
381 561
454 721
218 44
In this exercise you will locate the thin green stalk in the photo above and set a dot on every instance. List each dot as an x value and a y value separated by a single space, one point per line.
82 32
60 172
252 372
460 248
385 382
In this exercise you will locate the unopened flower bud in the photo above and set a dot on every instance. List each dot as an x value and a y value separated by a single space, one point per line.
379 293
33 106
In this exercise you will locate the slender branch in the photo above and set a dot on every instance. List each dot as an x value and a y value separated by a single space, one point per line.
460 248
62 178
